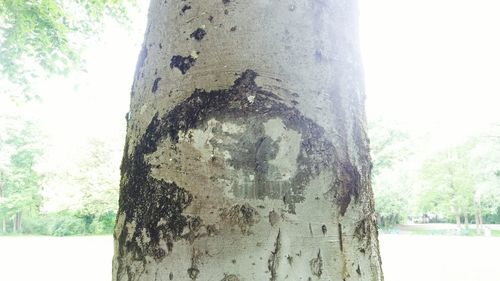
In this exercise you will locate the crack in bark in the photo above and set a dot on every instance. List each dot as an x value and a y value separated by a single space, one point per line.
273 262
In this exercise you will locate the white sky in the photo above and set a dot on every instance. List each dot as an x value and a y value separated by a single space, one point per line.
433 64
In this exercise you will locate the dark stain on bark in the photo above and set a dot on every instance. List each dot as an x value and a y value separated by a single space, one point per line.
274 258
182 63
233 28
358 270
316 265
324 229
198 34
185 8
154 88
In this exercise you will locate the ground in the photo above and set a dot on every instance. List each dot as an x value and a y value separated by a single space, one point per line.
404 257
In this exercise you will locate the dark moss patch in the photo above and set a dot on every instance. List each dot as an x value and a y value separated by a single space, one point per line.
182 63
198 34
155 85
146 200
185 8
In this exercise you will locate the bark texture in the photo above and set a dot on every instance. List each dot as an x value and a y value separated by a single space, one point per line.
246 155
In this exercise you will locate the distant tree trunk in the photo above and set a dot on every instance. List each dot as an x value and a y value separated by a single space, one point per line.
16 224
466 221
478 229
457 217
480 216
246 155
4 222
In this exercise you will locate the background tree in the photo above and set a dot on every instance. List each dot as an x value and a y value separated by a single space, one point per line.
451 184
392 149
20 181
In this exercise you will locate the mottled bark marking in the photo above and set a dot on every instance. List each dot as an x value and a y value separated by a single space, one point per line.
198 34
316 265
243 216
154 88
230 277
249 106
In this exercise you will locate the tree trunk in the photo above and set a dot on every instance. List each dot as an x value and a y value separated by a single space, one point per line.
466 221
457 221
246 155
16 224
480 217
4 222
478 229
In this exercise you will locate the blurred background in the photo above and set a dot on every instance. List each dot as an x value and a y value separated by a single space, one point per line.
431 70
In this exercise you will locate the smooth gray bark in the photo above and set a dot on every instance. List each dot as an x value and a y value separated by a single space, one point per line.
246 155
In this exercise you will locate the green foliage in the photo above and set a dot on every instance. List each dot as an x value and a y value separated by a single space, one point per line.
66 223
19 181
390 149
450 183
389 145
40 36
